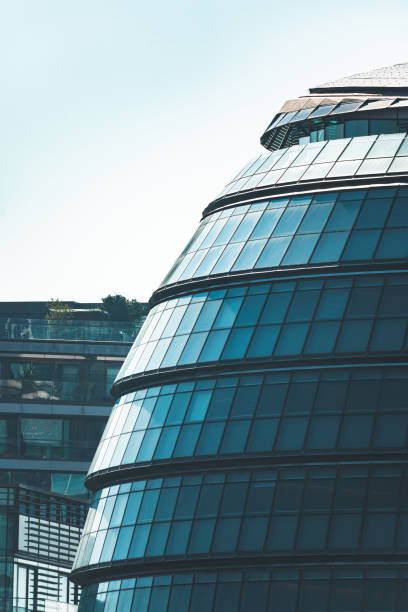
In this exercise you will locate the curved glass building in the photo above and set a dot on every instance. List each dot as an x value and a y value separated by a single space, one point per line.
256 455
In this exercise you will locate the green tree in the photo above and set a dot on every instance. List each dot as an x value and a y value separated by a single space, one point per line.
121 309
58 311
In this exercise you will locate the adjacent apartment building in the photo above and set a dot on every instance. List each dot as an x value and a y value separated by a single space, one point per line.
57 364
255 458
55 380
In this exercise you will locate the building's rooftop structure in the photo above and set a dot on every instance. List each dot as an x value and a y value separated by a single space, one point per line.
393 77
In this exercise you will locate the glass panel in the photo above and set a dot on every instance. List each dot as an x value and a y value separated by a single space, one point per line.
400 164
386 146
344 168
266 224
315 218
393 244
322 110
227 258
332 151
249 255
374 166
330 247
300 249
289 221
358 148
316 171
273 252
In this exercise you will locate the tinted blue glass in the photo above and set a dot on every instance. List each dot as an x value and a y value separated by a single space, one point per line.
109 545
322 337
166 443
329 247
148 506
157 540
148 445
193 348
262 436
123 543
343 216
210 439
332 303
139 541
132 508
227 259
187 441
246 226
315 218
202 597
166 504
179 598
273 252
198 406
266 224
207 315
213 346
292 433
245 401
361 245
354 336
363 302
227 596
282 533
253 534
323 432
300 249
235 437
373 213
237 343
289 221
249 255
250 310
276 307
178 538
160 411
302 306
356 431
226 535
229 228
174 351
291 339
399 213
159 599
228 313
393 244
178 408
263 341
201 536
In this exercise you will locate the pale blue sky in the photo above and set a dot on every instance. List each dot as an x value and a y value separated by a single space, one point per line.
121 119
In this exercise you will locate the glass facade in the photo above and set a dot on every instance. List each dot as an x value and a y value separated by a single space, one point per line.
39 534
55 381
255 457
385 154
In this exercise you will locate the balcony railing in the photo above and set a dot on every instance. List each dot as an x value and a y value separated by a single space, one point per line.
14 328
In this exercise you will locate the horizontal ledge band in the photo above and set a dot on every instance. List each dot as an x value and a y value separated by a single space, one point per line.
317 186
143 567
174 467
232 279
233 367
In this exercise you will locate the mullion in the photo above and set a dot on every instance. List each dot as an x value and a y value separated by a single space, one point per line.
376 316
385 227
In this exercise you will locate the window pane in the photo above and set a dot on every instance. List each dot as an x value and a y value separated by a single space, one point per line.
330 247
300 250
315 218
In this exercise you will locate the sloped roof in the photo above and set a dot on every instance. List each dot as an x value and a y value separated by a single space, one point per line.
392 77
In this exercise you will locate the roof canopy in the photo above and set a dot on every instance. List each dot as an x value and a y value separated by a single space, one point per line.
391 77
